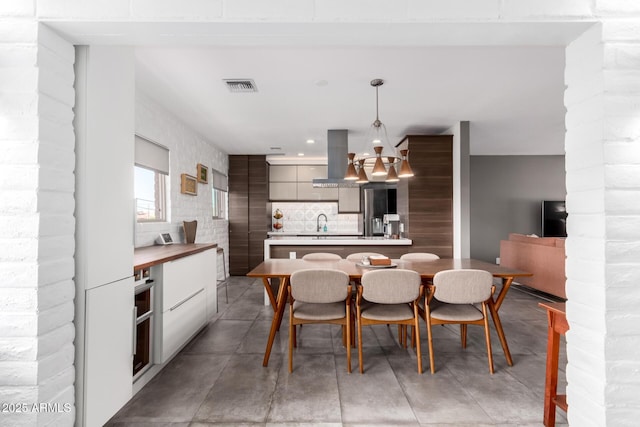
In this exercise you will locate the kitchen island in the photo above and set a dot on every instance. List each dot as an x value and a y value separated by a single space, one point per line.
284 246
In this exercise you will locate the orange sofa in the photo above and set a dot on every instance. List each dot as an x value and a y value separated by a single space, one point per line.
542 256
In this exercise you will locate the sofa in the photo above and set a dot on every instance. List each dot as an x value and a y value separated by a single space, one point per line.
542 256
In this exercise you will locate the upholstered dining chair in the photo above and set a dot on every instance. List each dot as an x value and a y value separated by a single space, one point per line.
321 256
357 257
320 296
389 296
452 300
419 256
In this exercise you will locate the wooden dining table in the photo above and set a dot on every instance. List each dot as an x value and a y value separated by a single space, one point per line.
283 268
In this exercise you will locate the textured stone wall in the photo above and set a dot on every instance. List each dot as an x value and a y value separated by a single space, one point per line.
36 224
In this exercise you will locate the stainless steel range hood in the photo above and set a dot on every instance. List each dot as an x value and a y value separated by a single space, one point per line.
337 149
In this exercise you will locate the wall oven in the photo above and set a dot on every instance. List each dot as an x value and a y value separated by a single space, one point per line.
143 322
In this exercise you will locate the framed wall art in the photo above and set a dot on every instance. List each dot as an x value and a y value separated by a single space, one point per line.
203 173
188 185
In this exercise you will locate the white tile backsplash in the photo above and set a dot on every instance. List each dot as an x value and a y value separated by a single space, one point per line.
302 217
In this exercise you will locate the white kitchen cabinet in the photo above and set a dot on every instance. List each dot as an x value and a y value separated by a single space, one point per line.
307 173
108 353
283 173
181 322
294 182
189 298
348 199
104 211
283 191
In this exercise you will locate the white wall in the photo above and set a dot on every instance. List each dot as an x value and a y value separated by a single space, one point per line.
36 224
603 201
186 150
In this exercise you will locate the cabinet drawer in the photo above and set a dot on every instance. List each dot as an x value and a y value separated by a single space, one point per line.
182 278
181 323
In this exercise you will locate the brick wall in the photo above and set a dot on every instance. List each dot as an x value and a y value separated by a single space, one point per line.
186 149
36 223
603 201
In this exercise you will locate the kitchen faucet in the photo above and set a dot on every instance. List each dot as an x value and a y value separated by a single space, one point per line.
318 229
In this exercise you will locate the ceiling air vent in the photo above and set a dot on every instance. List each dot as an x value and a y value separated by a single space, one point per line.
241 85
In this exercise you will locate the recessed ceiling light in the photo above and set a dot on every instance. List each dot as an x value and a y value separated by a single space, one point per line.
300 154
310 141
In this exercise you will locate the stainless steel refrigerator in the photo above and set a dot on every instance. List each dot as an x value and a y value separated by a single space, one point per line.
377 200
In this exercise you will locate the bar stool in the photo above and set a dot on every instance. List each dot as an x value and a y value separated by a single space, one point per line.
224 269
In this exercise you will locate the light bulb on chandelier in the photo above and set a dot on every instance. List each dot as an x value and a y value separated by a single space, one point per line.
383 165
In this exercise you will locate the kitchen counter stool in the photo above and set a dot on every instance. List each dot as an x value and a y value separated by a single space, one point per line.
224 270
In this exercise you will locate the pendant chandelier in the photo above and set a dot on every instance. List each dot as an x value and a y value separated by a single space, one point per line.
383 164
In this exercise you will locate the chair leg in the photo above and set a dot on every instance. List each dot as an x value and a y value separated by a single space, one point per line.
487 334
292 332
348 342
430 340
360 345
463 335
415 330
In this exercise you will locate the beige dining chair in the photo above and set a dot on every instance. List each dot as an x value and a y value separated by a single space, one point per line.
452 300
357 257
389 297
320 296
321 256
419 256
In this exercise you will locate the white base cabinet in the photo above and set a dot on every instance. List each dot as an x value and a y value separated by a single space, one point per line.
189 299
182 322
108 357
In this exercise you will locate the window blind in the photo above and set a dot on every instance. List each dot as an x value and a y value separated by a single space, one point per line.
219 180
152 156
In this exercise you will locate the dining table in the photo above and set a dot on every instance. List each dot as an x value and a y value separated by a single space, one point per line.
282 268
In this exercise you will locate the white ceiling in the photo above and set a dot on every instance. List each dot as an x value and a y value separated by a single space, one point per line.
507 80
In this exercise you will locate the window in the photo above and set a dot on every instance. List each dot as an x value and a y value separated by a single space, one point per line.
219 195
151 170
150 193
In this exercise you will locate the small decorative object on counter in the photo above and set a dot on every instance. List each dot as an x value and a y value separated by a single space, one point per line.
277 224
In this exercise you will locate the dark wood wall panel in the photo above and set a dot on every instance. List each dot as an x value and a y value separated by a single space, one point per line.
259 218
428 196
248 187
238 214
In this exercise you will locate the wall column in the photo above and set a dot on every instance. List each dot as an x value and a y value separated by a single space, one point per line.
36 223
603 203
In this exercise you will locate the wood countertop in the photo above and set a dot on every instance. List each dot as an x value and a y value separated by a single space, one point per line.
153 255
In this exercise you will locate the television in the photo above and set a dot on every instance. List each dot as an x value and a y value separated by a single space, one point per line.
554 218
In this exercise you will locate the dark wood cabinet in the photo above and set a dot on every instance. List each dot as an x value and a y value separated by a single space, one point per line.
248 217
426 199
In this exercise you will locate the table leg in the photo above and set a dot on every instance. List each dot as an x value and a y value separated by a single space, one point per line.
281 302
551 380
503 339
506 284
267 286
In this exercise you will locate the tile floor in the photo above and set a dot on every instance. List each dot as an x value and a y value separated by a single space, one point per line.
218 378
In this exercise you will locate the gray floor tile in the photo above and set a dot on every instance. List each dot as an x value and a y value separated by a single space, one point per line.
218 379
177 392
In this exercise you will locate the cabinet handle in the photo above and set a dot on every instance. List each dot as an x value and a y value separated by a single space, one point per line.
135 330
185 300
